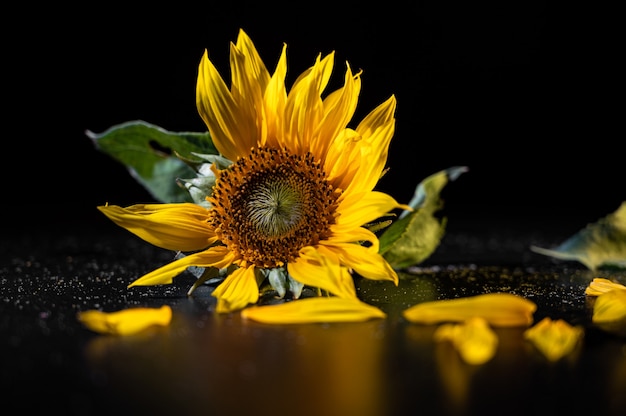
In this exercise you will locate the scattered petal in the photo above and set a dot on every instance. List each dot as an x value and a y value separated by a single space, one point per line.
555 339
498 309
474 339
609 311
601 285
310 310
126 321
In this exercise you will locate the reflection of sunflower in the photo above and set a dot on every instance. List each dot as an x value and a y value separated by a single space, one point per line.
294 201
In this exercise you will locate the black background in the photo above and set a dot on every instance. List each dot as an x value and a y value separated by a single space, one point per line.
525 94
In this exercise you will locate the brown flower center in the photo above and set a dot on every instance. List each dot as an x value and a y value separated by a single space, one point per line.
269 205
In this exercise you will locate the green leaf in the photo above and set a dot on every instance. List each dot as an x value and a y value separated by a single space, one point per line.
416 234
602 243
155 157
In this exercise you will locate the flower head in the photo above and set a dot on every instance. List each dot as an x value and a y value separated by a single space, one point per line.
300 188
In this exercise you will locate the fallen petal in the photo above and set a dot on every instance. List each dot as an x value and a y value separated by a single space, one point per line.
600 285
125 322
309 310
555 339
609 311
498 309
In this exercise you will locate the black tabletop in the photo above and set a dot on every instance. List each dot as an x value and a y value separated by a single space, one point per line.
207 363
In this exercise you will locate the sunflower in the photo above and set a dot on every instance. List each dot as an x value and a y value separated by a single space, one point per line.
293 204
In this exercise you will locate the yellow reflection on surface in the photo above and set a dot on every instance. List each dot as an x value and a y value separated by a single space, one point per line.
455 375
474 339
225 365
617 381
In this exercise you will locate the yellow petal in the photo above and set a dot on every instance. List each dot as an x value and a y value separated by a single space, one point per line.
249 81
125 322
219 257
380 116
364 260
275 99
317 267
609 311
254 67
342 234
371 162
247 94
310 310
304 109
365 207
237 291
343 158
232 134
474 339
498 309
601 285
338 109
555 339
377 129
177 227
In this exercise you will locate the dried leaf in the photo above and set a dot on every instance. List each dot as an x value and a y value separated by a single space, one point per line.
599 244
154 156
416 234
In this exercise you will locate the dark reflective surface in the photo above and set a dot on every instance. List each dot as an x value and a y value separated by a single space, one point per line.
205 363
